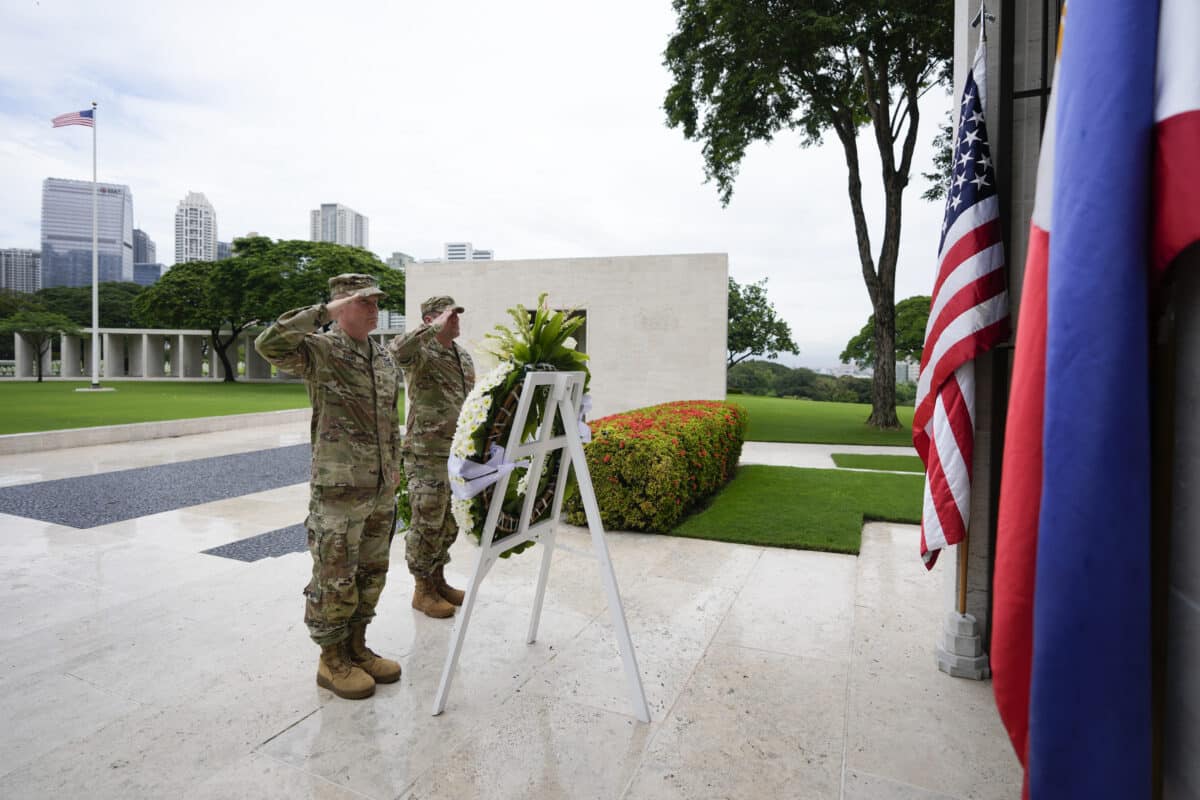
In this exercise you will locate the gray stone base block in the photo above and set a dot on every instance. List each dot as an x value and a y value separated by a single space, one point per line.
960 653
976 668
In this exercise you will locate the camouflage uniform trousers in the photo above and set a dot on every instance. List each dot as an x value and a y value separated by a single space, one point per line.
349 536
432 529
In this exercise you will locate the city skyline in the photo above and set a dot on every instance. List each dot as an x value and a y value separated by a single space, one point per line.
573 161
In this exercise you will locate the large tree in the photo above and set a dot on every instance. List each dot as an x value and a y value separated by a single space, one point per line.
912 315
261 281
288 274
40 328
745 70
754 327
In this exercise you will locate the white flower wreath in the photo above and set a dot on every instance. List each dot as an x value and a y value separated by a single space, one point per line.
539 341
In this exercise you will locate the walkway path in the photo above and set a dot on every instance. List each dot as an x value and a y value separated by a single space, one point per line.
135 665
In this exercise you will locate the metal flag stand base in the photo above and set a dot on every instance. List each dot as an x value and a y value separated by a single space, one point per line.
565 389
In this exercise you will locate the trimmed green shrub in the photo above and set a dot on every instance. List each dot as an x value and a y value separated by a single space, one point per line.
652 466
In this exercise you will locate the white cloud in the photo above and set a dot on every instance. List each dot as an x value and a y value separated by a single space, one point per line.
534 128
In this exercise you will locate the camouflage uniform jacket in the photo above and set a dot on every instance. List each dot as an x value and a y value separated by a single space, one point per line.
438 380
355 424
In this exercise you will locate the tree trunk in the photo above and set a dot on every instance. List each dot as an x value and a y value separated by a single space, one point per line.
883 385
222 353
41 353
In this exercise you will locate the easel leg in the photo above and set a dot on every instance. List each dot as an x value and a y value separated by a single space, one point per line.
633 678
543 576
460 631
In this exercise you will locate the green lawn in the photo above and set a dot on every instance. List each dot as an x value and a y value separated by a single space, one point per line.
806 509
53 405
892 463
776 419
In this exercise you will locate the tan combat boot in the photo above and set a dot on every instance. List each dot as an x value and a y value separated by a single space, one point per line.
427 600
448 592
336 673
382 670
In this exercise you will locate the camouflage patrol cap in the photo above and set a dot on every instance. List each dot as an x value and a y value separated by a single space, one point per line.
354 283
435 305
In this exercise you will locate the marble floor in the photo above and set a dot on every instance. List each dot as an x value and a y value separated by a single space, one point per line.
136 666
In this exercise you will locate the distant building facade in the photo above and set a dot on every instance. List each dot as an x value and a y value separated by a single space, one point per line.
464 251
400 261
67 232
144 249
334 222
147 274
224 250
195 229
20 269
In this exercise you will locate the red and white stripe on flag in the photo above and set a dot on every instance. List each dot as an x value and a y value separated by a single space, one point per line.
968 315
1176 132
86 118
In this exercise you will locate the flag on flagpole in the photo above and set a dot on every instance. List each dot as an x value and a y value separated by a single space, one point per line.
86 118
967 316
1071 630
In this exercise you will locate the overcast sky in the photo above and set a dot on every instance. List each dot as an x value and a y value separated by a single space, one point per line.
531 127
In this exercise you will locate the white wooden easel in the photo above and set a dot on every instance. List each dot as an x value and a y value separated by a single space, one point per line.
565 392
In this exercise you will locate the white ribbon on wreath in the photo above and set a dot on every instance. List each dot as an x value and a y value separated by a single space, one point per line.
468 478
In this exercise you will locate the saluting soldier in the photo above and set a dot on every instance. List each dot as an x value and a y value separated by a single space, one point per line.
438 374
353 385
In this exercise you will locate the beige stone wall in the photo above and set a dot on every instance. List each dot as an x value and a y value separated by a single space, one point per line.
655 324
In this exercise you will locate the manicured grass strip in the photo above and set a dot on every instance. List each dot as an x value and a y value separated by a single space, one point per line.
805 509
777 419
54 405
890 463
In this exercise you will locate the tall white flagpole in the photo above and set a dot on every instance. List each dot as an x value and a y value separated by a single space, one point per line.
95 264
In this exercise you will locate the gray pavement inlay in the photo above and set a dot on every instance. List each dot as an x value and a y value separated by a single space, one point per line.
93 500
292 539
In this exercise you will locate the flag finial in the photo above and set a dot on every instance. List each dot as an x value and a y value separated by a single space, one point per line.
982 19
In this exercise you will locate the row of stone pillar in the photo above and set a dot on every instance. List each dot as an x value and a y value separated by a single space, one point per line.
144 354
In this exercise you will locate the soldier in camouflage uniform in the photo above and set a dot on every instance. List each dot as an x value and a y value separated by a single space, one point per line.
353 385
439 374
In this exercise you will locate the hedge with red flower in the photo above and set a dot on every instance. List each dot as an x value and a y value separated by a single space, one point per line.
652 466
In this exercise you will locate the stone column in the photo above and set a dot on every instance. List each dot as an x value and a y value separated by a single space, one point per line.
153 355
113 355
136 351
71 349
257 367
190 356
23 351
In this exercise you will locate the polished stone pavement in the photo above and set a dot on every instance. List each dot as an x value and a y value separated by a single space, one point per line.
135 665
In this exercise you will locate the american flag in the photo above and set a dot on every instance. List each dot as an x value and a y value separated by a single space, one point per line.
968 315
85 118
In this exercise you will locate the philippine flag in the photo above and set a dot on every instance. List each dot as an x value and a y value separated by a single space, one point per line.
1118 199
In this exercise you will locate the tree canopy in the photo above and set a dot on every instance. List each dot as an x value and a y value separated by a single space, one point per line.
912 315
747 70
754 327
261 281
75 303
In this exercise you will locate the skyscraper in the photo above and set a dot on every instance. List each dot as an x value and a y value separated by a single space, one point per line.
195 229
67 232
334 222
144 251
464 251
20 270
224 250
